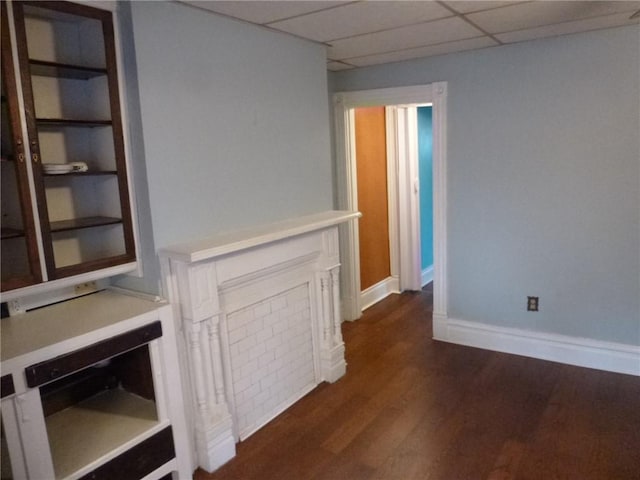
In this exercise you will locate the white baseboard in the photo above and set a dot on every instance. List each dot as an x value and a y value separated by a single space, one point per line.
583 352
427 275
379 291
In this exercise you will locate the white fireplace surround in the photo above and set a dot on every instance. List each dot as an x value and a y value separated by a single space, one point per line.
258 313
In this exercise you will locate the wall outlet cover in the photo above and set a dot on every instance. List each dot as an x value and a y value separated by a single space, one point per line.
15 307
85 287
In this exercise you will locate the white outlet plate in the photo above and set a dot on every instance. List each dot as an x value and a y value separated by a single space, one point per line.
85 287
15 307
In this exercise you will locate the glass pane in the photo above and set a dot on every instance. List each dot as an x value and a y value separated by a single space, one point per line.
15 260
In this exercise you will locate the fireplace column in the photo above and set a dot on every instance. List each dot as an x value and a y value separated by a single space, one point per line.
213 425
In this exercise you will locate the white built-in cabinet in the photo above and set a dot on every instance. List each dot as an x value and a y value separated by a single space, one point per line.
91 390
66 203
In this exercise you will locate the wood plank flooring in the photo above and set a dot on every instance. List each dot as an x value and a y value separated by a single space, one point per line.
413 408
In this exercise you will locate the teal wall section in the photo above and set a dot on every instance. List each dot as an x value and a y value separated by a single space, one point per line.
425 167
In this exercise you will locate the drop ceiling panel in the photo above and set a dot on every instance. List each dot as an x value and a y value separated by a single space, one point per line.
440 49
368 32
439 31
362 17
565 28
263 12
535 14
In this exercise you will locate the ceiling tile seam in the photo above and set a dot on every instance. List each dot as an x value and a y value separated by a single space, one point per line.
259 25
488 34
464 18
561 23
412 48
387 29
283 19
453 8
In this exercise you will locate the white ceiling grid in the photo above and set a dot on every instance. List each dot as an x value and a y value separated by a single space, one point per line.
373 32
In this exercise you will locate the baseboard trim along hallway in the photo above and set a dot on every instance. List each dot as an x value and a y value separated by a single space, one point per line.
582 352
379 291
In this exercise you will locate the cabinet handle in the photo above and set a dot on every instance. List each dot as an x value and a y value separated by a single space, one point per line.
21 157
35 157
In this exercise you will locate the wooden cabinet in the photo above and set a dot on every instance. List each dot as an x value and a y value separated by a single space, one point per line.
91 389
66 208
20 262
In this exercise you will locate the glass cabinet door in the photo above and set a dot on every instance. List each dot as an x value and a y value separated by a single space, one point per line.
20 263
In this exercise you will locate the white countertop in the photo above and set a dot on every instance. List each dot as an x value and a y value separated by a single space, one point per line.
48 326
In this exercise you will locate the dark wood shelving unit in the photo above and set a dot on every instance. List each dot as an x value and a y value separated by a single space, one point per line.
82 222
64 70
69 122
88 173
71 106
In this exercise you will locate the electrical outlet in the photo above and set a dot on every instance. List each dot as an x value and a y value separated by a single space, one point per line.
532 304
86 287
15 307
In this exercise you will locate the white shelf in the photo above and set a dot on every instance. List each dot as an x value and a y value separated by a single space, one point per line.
86 432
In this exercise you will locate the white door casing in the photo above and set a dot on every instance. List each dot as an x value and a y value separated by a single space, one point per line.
409 198
344 103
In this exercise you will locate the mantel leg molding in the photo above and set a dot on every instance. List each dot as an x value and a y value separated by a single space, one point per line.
215 443
332 363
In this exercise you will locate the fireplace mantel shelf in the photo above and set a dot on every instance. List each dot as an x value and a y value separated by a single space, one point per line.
230 242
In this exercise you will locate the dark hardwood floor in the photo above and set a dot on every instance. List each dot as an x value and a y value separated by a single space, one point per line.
413 408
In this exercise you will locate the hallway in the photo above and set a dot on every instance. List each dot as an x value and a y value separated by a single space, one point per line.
413 408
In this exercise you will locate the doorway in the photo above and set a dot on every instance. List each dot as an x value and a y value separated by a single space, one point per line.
377 165
344 105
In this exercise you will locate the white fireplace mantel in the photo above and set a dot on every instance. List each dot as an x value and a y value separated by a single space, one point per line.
259 317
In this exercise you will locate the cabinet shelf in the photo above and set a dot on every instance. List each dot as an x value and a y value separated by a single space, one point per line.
67 122
85 222
82 434
7 233
64 70
89 173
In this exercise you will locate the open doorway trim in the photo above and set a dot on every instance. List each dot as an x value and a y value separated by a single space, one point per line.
344 103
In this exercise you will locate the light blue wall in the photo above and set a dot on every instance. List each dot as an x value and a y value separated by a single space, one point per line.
425 169
235 122
230 120
150 281
543 180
